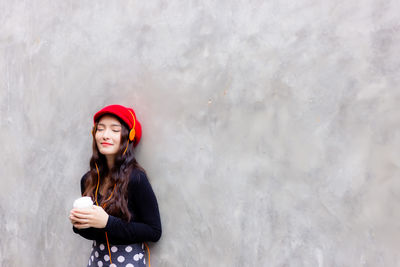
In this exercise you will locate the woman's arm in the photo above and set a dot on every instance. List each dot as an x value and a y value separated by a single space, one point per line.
88 233
146 226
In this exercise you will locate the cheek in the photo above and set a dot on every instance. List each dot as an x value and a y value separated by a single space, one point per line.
117 139
117 142
97 137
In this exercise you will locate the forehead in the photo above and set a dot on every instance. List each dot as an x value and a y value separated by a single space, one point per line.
109 120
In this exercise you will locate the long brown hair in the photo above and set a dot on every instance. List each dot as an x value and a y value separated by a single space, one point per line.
119 174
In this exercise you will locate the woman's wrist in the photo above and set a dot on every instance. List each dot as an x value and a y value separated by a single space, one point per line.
107 217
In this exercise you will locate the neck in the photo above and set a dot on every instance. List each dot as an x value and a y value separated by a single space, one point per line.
110 161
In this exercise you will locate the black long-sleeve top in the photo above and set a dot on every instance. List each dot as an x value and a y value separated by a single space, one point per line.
142 204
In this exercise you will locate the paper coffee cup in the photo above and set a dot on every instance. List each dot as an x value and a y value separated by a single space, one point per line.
83 202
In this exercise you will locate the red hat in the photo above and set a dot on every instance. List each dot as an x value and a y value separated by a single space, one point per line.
128 116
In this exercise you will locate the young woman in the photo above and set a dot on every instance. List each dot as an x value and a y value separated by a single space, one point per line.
125 214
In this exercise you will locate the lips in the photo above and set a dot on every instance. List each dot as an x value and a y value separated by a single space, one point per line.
106 144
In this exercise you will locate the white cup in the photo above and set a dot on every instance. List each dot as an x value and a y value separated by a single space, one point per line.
83 202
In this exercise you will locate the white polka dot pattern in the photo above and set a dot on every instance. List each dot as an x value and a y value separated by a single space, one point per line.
121 259
121 255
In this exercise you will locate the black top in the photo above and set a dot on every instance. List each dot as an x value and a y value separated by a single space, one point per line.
145 224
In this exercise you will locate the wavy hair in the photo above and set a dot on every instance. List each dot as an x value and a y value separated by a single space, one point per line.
119 174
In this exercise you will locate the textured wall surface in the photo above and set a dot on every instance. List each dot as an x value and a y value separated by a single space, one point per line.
271 128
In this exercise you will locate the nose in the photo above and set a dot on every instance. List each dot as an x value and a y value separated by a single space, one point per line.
106 134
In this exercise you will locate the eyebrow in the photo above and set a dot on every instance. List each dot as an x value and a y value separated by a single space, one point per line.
102 124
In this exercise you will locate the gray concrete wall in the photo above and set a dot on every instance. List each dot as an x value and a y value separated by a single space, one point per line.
271 128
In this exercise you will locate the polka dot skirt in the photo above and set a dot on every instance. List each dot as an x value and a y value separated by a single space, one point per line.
121 255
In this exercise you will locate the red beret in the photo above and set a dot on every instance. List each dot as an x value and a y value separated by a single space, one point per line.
127 115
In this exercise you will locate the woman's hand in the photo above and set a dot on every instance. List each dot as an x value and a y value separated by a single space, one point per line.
89 217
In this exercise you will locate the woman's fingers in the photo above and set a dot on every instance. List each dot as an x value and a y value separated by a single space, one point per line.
81 225
83 215
83 211
80 222
84 219
89 217
80 218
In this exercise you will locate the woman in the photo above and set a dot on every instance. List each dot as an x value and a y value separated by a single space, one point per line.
125 214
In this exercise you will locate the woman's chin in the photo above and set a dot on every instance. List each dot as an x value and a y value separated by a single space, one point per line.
107 152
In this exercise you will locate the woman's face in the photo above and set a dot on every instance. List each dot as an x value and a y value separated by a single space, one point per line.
108 135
